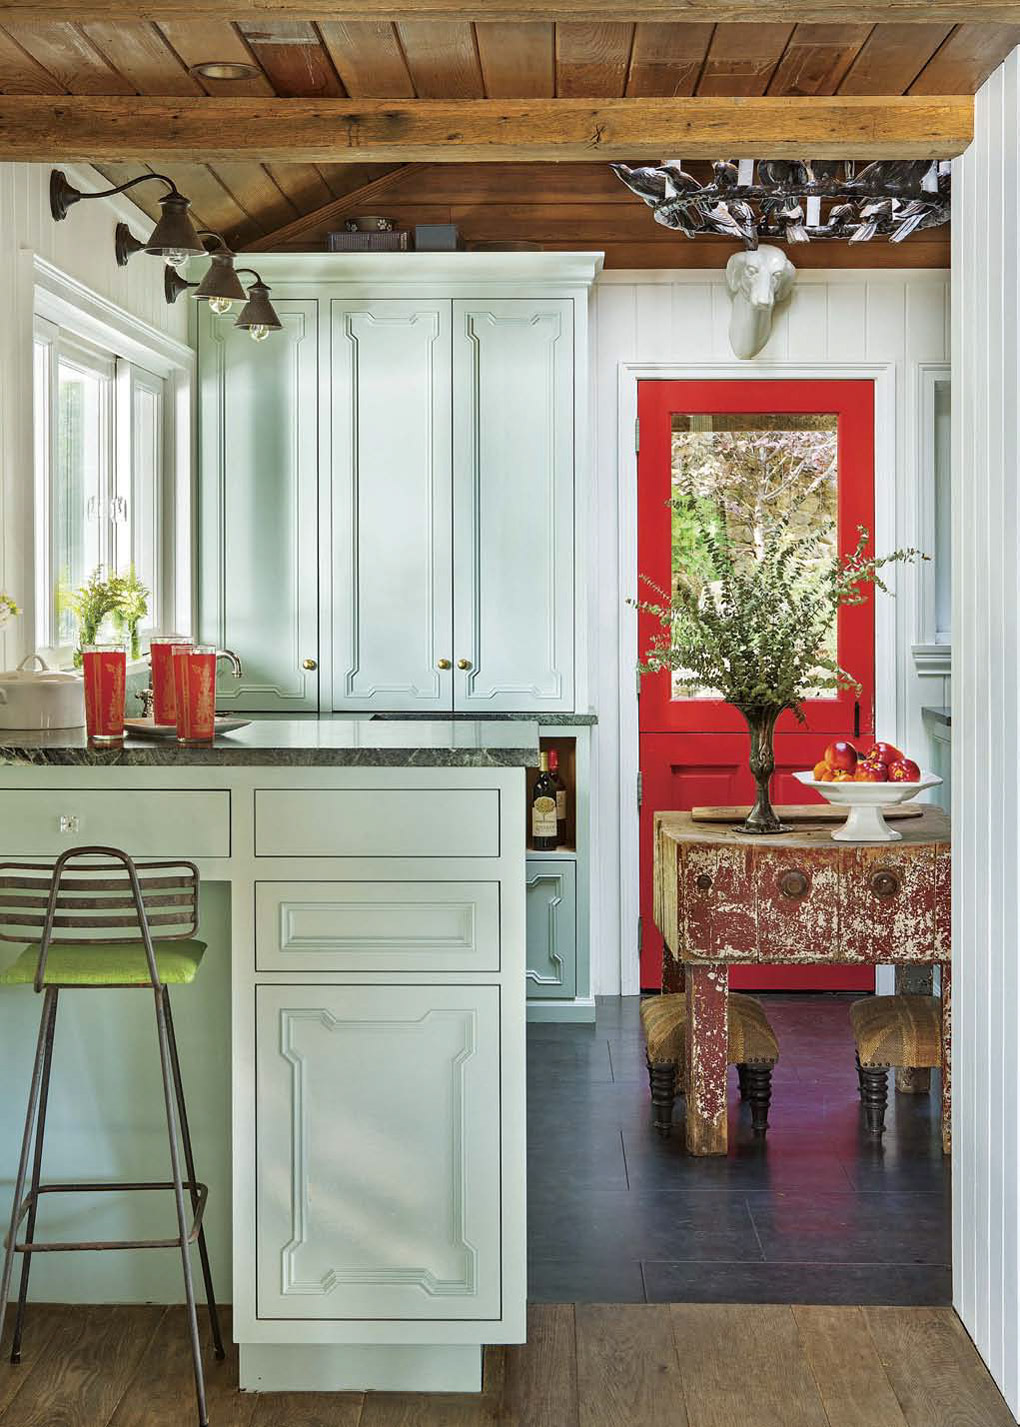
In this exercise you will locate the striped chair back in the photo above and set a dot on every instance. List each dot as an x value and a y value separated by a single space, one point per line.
93 895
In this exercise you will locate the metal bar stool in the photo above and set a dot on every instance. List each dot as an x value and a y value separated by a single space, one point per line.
108 907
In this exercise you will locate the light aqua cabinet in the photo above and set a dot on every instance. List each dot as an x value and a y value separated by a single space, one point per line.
357 1219
258 506
391 510
390 415
551 958
513 476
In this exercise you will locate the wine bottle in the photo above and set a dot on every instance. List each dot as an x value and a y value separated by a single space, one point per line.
561 797
543 810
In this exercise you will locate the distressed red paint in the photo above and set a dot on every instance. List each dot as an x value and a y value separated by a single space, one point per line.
731 908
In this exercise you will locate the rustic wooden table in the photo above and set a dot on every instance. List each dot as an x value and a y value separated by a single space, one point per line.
723 898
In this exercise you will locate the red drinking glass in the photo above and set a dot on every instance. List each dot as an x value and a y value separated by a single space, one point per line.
195 692
164 700
105 667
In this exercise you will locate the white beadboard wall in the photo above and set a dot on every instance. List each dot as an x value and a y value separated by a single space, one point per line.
82 247
835 318
986 731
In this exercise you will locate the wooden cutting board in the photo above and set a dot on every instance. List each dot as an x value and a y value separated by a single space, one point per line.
803 812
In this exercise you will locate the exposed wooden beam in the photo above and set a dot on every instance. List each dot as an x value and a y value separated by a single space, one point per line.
43 129
868 12
360 197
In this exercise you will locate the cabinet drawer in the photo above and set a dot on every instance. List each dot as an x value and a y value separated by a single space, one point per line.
551 968
377 1155
142 822
377 926
377 822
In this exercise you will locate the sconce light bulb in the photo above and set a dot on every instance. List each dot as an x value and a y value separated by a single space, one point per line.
258 333
220 305
176 256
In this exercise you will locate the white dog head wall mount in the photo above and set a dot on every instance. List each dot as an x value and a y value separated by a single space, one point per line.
757 279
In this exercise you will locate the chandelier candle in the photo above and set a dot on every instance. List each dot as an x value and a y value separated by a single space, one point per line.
105 672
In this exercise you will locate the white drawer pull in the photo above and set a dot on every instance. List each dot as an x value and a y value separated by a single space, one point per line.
69 823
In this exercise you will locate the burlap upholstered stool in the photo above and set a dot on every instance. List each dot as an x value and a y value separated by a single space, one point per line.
752 1047
892 1032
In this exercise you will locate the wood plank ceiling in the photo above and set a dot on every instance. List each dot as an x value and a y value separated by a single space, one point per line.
559 206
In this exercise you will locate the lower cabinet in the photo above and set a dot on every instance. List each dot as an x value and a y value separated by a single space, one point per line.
551 967
378 1152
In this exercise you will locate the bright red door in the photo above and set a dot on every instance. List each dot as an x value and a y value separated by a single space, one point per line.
749 447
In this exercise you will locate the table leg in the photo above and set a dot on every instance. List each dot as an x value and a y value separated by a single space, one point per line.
706 1052
914 981
947 1057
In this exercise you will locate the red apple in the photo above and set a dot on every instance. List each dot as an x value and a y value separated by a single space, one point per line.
883 753
870 771
904 770
841 755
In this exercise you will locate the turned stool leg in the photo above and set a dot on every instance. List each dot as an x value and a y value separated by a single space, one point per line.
742 1080
759 1093
874 1097
662 1079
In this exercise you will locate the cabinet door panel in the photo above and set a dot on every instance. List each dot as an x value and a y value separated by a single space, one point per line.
391 504
258 578
551 928
514 504
378 1152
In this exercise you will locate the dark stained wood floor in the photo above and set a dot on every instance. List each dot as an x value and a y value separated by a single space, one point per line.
585 1365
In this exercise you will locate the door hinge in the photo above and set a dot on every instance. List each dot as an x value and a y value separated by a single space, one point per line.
637 433
640 790
640 934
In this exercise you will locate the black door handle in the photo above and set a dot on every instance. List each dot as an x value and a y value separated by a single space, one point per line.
857 718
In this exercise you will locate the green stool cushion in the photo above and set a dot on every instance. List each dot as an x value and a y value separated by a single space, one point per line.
121 963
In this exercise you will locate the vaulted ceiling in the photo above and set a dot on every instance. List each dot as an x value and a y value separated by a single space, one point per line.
558 205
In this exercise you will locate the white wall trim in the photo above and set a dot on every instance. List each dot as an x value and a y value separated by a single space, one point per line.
69 303
883 374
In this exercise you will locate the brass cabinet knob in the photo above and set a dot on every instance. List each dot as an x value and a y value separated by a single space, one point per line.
704 882
309 664
463 663
885 883
442 663
794 883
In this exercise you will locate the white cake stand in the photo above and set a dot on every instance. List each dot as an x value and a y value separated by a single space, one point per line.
865 802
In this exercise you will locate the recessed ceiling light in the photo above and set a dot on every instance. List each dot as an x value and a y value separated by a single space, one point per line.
225 69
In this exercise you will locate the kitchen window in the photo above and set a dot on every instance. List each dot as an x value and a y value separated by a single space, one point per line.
102 451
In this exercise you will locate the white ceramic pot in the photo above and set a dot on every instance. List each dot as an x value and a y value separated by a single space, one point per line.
41 698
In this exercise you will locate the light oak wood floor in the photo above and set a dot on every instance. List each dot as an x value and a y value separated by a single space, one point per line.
585 1365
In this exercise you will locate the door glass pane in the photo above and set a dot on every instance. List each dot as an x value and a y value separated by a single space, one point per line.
735 473
76 494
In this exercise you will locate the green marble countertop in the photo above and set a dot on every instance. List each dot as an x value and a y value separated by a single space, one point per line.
296 743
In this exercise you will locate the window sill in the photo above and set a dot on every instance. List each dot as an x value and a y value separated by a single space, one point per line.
933 660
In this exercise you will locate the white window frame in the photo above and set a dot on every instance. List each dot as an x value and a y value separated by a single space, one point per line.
933 652
142 355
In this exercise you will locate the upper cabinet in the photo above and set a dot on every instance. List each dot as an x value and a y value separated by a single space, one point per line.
258 506
390 419
390 493
513 501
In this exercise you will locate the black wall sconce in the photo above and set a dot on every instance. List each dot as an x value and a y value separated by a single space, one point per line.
221 287
174 237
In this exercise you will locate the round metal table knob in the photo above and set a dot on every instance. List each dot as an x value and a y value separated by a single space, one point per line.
794 883
704 882
885 883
